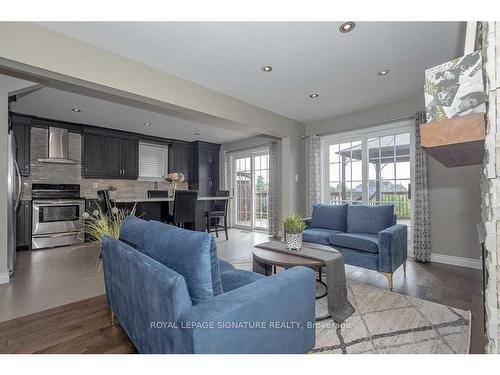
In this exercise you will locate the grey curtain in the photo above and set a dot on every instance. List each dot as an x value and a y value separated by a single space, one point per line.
421 222
272 210
314 170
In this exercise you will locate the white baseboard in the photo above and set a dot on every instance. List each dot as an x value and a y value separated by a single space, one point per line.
457 261
4 278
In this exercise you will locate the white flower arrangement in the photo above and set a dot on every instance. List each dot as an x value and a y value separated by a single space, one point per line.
174 177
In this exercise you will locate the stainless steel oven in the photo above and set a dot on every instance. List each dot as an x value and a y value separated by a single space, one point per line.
57 221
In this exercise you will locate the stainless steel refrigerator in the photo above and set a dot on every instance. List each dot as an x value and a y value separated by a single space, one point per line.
14 195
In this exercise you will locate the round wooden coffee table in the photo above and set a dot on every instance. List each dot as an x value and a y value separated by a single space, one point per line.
266 261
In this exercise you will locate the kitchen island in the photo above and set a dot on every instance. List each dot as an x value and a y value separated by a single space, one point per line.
157 208
142 200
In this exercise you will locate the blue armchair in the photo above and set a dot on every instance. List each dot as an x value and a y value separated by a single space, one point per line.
367 236
171 294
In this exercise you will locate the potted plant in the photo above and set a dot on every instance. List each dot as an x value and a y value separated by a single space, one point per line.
99 224
173 179
294 226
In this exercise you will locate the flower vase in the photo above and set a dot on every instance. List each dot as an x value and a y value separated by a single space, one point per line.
174 188
294 241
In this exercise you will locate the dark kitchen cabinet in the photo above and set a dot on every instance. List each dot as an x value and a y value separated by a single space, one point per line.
22 135
207 187
130 159
205 168
23 224
110 157
93 156
180 157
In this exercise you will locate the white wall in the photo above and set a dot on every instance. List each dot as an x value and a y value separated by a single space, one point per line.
293 175
454 208
454 194
368 117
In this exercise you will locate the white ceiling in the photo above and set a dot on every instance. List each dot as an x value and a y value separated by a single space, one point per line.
307 58
57 104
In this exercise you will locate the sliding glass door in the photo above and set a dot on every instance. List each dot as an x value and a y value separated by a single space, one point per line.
243 191
251 187
389 179
345 177
370 168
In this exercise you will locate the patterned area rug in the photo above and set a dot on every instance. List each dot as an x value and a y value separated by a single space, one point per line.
388 322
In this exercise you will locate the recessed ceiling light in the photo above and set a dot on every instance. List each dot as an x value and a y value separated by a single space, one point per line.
147 124
195 133
347 27
314 96
383 72
76 109
267 68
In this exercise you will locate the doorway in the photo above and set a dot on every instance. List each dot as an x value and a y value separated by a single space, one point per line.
250 181
372 168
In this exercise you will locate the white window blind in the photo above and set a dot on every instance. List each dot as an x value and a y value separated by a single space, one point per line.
153 161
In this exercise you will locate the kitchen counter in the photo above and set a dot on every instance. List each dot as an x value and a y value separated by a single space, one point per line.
159 208
145 200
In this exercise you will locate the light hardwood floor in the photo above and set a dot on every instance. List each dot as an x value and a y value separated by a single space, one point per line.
48 282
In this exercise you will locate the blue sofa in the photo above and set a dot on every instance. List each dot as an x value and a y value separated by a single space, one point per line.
171 294
367 236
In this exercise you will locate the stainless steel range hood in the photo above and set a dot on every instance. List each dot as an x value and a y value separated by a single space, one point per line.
58 147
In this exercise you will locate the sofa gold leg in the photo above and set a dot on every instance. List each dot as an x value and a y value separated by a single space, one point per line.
112 318
388 276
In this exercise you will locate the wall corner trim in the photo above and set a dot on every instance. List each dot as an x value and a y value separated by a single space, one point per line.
456 261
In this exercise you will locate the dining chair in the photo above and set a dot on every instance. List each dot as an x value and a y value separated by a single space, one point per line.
184 209
218 212
164 206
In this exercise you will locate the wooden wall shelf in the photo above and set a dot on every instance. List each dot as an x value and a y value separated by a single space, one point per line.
455 142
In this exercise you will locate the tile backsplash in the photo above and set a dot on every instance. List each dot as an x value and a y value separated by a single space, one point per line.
52 173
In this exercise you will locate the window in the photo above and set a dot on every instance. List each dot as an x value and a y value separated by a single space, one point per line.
370 166
345 173
153 161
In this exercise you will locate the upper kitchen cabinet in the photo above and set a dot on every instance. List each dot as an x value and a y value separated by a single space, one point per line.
180 159
110 157
130 159
22 134
205 168
93 156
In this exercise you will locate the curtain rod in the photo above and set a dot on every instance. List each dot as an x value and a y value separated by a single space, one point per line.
375 124
251 147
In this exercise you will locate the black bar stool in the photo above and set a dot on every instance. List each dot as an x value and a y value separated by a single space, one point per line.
163 205
184 209
219 211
